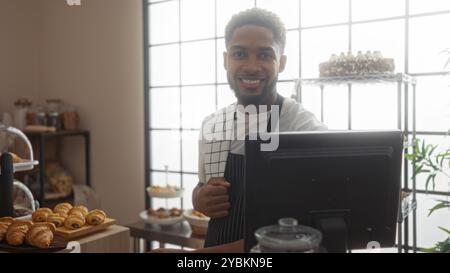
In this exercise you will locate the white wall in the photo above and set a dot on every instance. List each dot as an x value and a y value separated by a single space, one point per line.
19 58
92 57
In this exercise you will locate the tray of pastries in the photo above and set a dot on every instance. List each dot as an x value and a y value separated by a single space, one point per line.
73 221
162 216
165 192
27 236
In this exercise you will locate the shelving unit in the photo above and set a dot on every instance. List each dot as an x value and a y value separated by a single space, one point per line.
40 140
403 82
8 169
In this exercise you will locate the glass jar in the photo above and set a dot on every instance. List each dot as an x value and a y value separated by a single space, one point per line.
41 116
54 120
21 107
53 112
70 118
288 237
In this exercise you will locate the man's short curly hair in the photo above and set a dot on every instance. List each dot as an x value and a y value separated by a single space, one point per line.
259 17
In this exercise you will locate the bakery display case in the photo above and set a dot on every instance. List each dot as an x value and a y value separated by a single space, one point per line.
406 117
11 164
51 183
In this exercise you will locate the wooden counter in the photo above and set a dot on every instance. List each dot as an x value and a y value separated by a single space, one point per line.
115 239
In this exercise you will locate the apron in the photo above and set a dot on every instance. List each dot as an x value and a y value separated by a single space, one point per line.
231 228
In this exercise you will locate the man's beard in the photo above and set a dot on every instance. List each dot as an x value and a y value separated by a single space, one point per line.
267 91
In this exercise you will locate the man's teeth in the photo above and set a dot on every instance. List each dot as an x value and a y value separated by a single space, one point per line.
250 81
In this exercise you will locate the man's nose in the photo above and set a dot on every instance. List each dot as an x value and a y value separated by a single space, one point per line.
252 65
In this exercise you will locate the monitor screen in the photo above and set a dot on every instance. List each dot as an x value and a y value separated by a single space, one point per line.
315 177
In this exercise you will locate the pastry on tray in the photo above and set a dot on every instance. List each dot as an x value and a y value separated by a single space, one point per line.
74 222
63 209
176 212
40 215
5 222
96 217
198 214
80 208
41 235
56 219
163 213
17 231
159 189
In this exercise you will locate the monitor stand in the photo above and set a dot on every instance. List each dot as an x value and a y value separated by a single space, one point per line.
334 230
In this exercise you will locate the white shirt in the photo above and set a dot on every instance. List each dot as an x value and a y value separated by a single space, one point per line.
293 117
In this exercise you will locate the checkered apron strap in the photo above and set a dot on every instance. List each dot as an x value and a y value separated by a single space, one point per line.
217 146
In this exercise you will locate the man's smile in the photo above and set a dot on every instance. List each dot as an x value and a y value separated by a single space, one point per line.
251 82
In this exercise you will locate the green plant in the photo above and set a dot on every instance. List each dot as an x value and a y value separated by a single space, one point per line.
433 164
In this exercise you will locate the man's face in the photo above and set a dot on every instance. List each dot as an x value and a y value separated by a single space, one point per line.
253 61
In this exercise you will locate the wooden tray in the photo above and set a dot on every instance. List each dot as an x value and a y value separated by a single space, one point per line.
57 245
85 230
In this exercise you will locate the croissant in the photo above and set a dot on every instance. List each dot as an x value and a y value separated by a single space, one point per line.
17 231
63 209
74 222
56 219
40 215
79 211
16 158
41 235
81 208
5 222
3 230
96 217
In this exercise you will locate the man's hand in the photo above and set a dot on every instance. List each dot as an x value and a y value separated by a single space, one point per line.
212 198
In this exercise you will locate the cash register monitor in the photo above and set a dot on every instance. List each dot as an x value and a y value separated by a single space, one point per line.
345 184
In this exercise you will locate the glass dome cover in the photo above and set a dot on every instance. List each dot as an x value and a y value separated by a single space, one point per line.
288 236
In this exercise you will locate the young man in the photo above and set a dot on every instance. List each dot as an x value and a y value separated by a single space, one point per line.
255 41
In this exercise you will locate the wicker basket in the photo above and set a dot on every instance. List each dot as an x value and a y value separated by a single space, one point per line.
199 226
199 231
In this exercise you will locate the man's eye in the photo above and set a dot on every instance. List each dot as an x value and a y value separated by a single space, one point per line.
265 56
239 54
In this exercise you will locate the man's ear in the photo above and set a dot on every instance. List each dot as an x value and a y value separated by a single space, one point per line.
225 61
283 60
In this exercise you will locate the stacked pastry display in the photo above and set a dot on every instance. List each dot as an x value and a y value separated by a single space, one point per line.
70 217
361 64
163 216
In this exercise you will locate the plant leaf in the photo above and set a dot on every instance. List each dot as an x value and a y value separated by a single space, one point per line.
418 168
439 206
443 156
432 148
445 230
430 177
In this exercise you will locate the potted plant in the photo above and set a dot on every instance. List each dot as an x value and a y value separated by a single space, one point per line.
432 164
